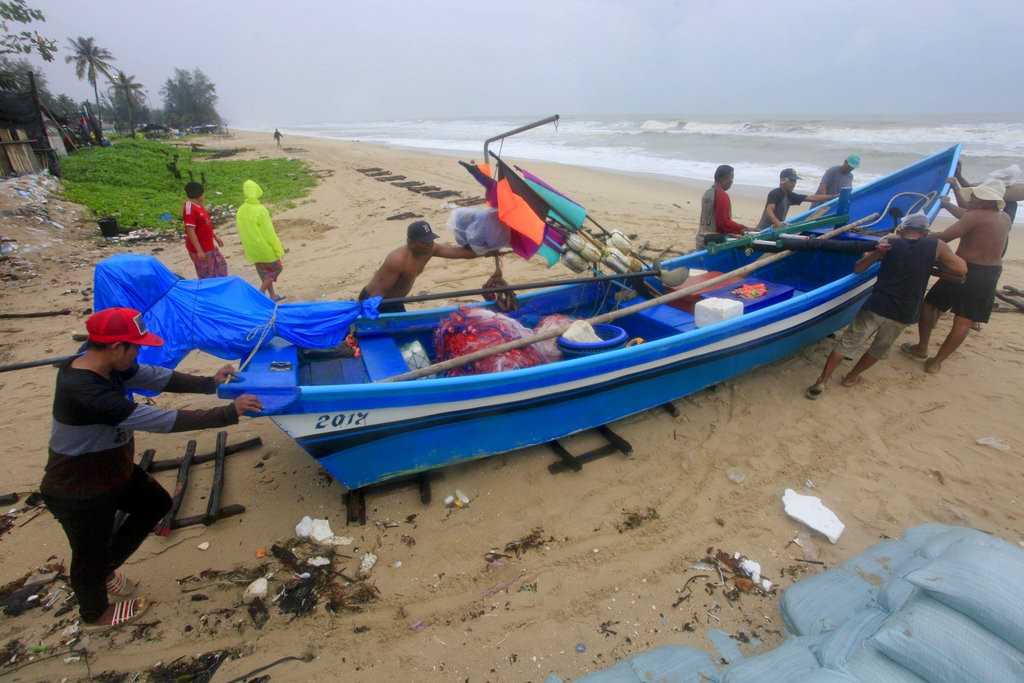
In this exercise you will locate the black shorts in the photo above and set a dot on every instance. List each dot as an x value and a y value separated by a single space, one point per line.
971 299
385 308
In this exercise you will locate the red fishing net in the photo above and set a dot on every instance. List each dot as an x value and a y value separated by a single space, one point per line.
471 329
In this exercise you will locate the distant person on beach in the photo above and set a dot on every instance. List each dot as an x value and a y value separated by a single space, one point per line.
200 240
782 197
262 247
895 301
716 209
839 177
982 231
90 472
398 273
277 137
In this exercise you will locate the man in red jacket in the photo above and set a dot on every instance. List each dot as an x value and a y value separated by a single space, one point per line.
716 209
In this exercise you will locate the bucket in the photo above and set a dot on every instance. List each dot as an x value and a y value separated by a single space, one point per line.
108 226
612 337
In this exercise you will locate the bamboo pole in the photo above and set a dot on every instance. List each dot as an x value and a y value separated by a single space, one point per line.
612 315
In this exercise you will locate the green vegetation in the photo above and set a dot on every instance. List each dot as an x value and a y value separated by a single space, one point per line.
131 181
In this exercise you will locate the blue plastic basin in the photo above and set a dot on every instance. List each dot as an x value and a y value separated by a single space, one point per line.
612 337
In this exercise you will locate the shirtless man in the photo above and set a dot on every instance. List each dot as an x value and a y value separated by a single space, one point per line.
398 273
982 232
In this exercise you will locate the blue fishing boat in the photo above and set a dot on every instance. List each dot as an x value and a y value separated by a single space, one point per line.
364 429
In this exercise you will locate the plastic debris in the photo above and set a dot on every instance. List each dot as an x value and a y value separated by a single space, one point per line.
256 590
461 499
205 545
317 530
449 501
367 563
993 442
735 475
581 648
318 561
812 512
581 331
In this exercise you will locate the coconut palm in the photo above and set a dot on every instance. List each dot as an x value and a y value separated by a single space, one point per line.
133 93
90 60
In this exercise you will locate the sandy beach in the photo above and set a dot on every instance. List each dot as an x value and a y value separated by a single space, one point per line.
896 451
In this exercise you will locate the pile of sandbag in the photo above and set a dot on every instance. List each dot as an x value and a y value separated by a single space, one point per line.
941 605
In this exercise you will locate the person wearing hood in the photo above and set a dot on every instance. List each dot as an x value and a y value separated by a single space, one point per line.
262 247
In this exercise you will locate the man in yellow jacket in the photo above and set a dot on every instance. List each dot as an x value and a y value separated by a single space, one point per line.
262 247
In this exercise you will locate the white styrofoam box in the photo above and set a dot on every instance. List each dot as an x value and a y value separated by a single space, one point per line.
715 310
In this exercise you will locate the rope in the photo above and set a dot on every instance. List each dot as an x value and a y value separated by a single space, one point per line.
263 330
922 201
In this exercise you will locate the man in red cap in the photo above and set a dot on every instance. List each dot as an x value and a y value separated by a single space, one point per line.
90 473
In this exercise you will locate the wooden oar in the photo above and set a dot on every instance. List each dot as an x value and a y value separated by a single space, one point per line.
611 315
656 272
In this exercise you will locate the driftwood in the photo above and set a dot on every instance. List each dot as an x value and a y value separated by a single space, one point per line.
37 314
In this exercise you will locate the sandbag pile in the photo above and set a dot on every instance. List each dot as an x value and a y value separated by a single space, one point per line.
941 605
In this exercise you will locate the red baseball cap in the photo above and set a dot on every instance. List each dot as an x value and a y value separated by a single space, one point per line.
114 325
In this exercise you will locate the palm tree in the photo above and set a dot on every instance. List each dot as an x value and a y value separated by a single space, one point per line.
133 93
90 59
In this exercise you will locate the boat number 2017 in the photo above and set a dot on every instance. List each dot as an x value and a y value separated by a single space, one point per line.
343 420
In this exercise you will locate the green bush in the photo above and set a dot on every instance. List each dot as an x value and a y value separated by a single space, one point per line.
131 181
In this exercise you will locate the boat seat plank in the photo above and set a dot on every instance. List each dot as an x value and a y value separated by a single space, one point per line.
382 357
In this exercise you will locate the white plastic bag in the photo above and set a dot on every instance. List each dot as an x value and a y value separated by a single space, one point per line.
478 229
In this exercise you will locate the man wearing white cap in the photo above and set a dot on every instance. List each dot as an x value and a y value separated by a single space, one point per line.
982 232
895 302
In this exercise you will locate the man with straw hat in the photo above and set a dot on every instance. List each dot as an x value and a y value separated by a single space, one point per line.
982 231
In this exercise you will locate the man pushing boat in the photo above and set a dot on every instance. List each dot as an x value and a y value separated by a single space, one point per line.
91 475
398 273
895 301
982 230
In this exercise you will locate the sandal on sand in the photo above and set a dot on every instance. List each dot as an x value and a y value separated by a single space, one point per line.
932 366
911 350
814 391
124 612
120 586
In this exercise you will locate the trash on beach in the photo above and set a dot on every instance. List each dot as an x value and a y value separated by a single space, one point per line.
993 442
366 564
258 613
534 539
205 545
257 590
417 625
319 561
812 512
735 475
299 598
631 519
317 530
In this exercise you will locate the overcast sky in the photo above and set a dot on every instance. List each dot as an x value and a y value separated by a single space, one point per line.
283 63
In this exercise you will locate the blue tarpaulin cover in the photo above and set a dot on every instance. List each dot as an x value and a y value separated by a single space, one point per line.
223 316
